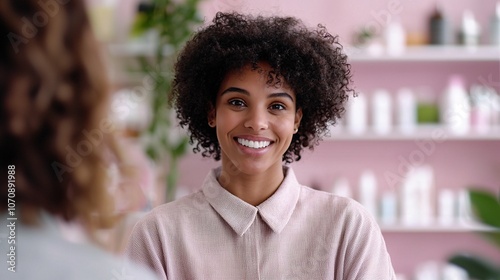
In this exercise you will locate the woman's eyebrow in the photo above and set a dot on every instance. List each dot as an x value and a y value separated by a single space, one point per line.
235 89
245 92
280 94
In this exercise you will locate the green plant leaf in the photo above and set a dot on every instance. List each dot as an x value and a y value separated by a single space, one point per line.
486 207
476 267
180 149
152 153
140 25
493 237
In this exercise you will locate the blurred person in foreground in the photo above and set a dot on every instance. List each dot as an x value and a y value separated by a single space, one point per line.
56 144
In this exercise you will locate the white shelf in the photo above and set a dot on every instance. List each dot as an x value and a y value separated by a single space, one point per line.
428 53
458 228
421 132
414 53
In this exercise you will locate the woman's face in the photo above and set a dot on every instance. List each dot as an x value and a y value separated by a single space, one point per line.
254 121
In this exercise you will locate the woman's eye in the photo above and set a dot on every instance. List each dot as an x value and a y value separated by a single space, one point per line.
236 102
278 107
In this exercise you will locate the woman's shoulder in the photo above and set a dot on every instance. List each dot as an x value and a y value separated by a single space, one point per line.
332 203
308 193
344 213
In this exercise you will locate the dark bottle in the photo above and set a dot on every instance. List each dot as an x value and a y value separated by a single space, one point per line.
439 28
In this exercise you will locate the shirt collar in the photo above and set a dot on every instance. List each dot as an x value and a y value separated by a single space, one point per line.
275 211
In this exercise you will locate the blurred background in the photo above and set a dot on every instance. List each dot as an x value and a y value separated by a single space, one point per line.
423 130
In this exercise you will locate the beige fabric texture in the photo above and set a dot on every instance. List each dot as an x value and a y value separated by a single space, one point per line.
297 233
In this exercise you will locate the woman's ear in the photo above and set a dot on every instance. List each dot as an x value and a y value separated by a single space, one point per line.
211 116
298 118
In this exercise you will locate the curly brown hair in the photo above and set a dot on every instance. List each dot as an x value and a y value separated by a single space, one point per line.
310 61
53 128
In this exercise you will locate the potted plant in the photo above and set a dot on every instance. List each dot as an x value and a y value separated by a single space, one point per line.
486 207
173 22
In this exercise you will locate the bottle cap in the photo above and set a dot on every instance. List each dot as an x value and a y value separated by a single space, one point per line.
456 80
469 23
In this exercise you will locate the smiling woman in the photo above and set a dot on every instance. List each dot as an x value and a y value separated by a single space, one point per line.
253 92
255 123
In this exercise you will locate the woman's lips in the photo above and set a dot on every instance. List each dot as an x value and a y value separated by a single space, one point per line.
253 145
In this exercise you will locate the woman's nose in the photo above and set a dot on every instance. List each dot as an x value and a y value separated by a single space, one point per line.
257 119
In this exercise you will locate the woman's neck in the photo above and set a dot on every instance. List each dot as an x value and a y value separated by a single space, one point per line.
251 188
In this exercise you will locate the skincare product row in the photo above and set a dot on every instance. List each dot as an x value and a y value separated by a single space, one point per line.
462 110
459 109
381 112
386 33
410 200
469 31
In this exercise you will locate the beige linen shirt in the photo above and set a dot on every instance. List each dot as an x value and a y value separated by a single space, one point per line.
297 233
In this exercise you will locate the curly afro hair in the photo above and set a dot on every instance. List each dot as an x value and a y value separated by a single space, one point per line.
310 61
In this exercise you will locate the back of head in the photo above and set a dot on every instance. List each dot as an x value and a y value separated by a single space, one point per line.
53 126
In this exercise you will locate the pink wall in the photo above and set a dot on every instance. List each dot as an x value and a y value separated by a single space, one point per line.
342 17
422 77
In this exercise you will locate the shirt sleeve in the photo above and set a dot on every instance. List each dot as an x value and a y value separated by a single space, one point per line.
366 253
144 246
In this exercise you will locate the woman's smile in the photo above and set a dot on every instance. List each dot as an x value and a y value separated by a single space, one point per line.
254 144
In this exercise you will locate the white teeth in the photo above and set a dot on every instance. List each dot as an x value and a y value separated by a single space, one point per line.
254 144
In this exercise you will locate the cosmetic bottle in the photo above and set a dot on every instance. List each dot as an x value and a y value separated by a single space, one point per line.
381 112
368 192
470 30
453 272
406 111
495 26
455 106
465 213
428 270
357 114
447 207
417 196
481 116
395 38
440 32
425 178
388 208
428 107
410 199
495 108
